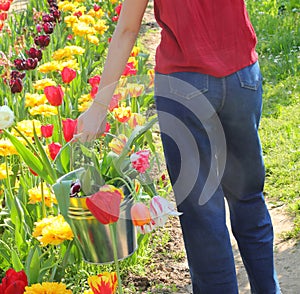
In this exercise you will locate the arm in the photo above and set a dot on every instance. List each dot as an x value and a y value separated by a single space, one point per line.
91 123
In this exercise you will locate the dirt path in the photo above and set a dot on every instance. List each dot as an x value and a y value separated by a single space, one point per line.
175 271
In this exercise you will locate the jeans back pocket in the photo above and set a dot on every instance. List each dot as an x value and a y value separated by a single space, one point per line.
250 76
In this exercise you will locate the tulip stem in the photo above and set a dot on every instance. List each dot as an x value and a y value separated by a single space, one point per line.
43 199
112 229
60 126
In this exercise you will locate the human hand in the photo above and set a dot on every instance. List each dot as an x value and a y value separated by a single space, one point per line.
91 124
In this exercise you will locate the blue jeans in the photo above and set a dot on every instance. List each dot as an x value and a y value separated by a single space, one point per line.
212 150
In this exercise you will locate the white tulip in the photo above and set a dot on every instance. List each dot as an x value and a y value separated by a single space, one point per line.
6 117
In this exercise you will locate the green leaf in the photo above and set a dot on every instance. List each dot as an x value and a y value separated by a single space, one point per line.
62 194
16 262
33 265
30 158
62 159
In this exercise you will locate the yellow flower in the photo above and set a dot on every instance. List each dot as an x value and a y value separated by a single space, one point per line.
117 144
48 67
133 59
7 148
150 73
41 84
44 109
3 174
84 106
67 6
96 14
70 20
122 93
35 195
101 27
93 39
47 288
114 1
105 282
67 52
82 29
85 98
135 51
34 99
122 113
26 127
52 230
71 63
135 90
136 119
87 19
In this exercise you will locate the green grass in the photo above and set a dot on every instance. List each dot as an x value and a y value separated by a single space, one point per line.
277 26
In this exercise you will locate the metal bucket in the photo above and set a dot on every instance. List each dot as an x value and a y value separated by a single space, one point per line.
95 239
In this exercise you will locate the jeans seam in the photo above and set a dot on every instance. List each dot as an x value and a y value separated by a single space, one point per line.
223 80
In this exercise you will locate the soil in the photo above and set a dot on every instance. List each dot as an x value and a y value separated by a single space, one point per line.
168 271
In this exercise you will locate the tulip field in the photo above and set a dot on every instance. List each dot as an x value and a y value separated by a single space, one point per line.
51 60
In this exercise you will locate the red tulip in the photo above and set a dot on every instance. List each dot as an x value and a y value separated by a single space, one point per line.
16 85
118 9
14 282
54 95
69 127
68 75
129 69
4 5
47 130
3 16
105 205
54 148
95 81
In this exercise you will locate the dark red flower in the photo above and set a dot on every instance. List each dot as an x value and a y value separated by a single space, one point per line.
31 63
55 12
14 282
16 85
54 95
39 28
4 5
47 130
17 74
69 127
105 205
42 41
48 27
54 148
68 75
35 53
20 64
48 18
97 7
3 16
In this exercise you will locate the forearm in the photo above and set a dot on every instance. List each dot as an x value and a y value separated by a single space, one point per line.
120 47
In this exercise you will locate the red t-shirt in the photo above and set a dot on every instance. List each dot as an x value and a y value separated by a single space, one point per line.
213 37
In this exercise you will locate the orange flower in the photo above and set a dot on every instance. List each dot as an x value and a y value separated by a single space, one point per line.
104 283
122 113
117 144
140 214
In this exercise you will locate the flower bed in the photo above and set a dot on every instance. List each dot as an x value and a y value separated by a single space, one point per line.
51 63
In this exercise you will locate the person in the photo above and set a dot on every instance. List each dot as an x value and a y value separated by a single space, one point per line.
208 94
